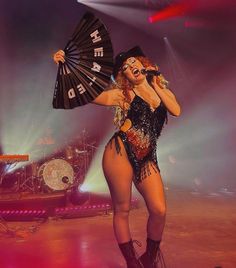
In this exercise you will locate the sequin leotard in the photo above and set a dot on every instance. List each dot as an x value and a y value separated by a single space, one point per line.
140 139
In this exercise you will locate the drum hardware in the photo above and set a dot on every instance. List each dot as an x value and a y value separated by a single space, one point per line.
81 152
25 182
32 184
34 167
69 152
56 174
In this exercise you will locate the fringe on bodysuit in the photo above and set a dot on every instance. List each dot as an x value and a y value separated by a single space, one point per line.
141 168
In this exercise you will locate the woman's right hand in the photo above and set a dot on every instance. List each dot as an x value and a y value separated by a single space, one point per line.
59 56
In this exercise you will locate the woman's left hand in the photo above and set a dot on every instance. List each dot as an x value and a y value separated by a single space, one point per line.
158 82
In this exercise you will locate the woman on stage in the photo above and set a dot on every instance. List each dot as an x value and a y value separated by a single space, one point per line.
142 103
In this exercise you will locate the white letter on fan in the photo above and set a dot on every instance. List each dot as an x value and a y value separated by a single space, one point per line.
96 67
81 89
71 93
98 52
95 36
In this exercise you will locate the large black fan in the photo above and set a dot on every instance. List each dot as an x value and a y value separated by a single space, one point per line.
88 65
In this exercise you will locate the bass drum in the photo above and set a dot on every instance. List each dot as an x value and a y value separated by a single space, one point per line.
57 174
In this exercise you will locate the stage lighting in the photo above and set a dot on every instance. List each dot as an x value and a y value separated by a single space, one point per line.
78 197
172 11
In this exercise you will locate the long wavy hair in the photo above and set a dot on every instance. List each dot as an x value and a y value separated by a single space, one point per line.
126 86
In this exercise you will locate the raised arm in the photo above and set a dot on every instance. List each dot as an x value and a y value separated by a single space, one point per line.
111 97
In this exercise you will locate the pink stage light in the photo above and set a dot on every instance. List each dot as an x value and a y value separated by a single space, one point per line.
192 7
172 11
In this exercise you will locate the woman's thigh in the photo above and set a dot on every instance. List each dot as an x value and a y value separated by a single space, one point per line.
152 190
118 173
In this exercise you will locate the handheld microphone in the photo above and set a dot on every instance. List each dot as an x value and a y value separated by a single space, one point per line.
150 72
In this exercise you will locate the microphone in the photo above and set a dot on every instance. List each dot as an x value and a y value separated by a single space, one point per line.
150 72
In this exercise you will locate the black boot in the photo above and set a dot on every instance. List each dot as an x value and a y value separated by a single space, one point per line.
153 257
129 254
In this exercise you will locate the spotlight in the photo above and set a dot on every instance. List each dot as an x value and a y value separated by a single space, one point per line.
78 197
173 11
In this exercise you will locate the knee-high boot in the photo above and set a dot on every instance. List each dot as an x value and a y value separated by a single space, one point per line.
129 254
153 257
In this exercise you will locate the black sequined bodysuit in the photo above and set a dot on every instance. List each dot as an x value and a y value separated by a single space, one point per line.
140 138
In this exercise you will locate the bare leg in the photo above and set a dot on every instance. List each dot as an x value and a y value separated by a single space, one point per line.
151 188
119 173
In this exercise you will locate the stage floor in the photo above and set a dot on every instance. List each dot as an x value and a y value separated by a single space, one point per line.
200 233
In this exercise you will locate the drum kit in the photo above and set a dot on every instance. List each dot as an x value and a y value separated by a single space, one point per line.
65 169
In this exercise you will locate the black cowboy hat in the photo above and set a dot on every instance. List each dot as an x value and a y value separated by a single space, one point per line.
123 56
